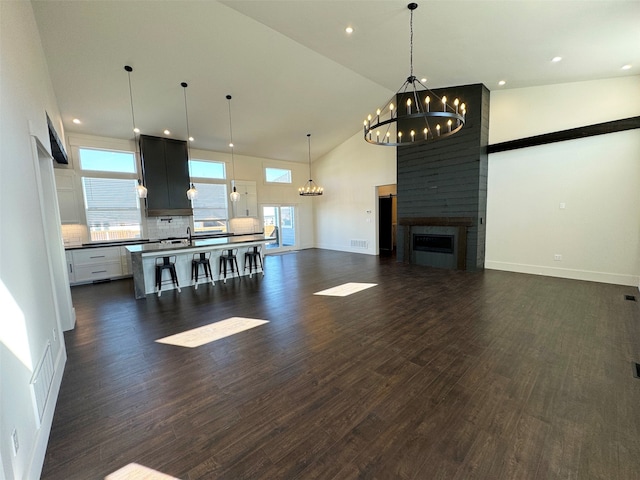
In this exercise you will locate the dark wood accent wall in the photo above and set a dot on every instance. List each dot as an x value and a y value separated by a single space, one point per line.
448 178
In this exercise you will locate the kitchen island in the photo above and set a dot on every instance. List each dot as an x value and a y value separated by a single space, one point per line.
143 258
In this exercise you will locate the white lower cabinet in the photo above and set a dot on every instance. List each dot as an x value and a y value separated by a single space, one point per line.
91 264
70 272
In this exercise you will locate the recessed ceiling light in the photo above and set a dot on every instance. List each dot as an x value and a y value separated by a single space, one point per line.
423 79
136 130
78 122
191 139
349 29
167 132
556 59
626 67
502 82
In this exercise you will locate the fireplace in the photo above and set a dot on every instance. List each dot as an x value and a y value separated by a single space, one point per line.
436 241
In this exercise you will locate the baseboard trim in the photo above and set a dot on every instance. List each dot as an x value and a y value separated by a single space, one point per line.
590 276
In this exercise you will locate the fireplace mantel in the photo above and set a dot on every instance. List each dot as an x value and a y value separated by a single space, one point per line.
407 223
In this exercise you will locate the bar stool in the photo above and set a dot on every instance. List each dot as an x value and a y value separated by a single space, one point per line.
163 264
229 258
201 258
254 256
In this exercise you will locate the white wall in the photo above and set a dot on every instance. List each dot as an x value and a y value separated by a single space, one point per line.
30 303
597 178
347 211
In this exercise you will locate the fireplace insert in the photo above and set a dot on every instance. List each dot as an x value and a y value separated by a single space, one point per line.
428 242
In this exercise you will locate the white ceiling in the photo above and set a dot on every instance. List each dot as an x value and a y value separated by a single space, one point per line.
292 69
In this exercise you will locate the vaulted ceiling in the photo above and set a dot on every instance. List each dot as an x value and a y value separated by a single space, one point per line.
292 69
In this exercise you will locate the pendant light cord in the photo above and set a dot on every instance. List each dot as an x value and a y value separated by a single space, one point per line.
186 114
309 142
233 165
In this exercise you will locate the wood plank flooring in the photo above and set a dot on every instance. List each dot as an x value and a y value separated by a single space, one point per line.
432 374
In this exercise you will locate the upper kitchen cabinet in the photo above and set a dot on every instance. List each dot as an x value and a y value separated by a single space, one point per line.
166 176
247 206
70 207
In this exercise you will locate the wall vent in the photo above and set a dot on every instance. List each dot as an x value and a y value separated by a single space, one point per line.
41 382
631 298
636 369
360 243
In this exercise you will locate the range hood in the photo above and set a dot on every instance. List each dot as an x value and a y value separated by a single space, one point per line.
165 169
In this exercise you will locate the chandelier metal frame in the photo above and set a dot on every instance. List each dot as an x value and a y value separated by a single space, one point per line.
427 117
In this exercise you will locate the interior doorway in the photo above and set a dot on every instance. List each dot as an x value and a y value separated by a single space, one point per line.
387 220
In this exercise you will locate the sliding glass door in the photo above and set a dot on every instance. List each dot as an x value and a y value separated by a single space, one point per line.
280 225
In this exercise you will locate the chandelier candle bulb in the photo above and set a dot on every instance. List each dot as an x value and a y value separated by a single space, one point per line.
438 129
425 133
399 137
456 102
427 101
413 135
444 104
408 106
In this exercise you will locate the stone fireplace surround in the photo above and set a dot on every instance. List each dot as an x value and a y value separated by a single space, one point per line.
408 224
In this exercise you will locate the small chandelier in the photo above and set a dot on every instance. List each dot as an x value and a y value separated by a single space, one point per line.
192 192
141 190
310 189
420 115
235 196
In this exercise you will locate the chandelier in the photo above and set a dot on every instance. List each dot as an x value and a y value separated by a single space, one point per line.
419 116
192 192
310 189
235 196
141 190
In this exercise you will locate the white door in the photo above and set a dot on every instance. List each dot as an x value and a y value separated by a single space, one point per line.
279 224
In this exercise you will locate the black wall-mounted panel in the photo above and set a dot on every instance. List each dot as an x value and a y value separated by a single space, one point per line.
57 147
166 176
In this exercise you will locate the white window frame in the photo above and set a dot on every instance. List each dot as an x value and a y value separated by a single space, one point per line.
270 182
109 175
212 181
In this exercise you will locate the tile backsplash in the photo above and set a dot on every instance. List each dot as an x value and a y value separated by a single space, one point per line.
168 226
74 235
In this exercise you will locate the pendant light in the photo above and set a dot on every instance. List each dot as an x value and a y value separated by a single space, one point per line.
141 190
418 113
192 192
235 196
310 189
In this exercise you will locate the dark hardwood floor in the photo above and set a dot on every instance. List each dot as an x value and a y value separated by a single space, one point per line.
432 374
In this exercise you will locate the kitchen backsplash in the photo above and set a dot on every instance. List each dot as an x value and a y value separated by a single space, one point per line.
74 235
169 226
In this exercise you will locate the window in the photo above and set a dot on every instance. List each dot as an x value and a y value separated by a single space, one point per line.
210 214
113 210
112 207
204 169
277 175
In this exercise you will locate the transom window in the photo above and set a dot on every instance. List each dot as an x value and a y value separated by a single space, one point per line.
107 161
277 175
205 169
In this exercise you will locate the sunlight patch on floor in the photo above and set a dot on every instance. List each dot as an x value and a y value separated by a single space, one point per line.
212 332
346 289
133 471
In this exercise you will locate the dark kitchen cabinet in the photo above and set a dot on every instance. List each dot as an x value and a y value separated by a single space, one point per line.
166 176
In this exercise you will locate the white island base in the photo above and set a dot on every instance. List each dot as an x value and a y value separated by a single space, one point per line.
143 261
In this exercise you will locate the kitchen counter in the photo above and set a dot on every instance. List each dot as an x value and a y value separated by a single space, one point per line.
143 258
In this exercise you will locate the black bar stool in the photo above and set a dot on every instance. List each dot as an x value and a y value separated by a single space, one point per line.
229 257
254 256
162 264
201 258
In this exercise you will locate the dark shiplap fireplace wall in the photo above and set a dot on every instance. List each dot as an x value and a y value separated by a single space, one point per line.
448 178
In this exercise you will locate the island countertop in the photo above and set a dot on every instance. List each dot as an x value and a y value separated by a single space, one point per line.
180 245
143 257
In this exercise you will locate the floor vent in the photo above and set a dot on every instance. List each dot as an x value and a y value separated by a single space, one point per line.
360 243
636 369
631 298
